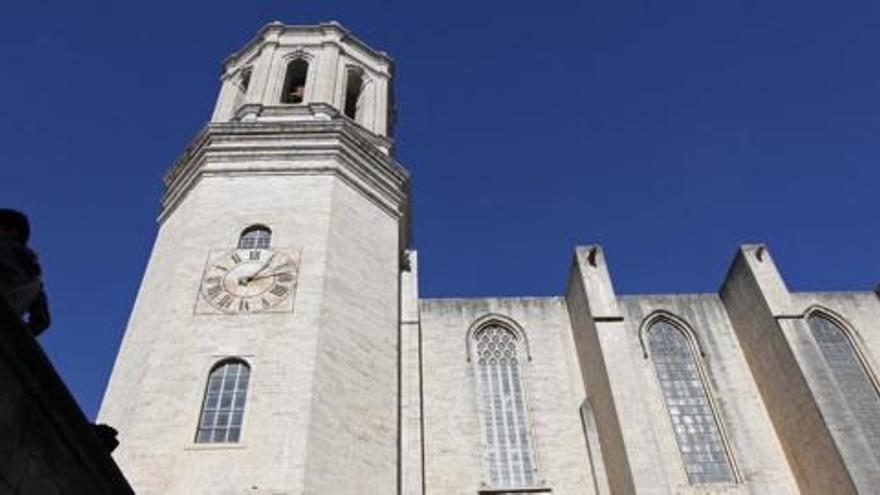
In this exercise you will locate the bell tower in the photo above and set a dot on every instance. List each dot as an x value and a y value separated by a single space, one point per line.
307 73
261 355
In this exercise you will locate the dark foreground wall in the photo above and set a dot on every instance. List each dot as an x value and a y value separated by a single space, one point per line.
47 446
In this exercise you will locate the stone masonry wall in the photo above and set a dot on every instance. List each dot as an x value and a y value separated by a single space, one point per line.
454 461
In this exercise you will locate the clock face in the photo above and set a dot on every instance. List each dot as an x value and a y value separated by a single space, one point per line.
249 280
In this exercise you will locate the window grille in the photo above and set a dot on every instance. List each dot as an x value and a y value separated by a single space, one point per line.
223 405
851 377
693 420
255 237
505 423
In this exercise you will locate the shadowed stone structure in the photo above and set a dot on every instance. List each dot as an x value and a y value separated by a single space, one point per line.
47 447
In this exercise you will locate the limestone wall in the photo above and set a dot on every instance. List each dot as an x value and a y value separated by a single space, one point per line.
453 452
323 377
858 314
757 457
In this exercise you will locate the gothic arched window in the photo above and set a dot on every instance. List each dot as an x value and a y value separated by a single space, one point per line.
354 86
693 420
294 89
223 405
851 377
255 237
505 423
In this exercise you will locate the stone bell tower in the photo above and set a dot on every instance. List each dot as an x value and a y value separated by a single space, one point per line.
261 352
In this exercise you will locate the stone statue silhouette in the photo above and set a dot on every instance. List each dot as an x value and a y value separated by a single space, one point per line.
21 282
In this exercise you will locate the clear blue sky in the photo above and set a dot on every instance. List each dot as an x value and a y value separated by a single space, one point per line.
669 132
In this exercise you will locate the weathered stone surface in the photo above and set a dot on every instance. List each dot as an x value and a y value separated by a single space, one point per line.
366 388
453 454
323 392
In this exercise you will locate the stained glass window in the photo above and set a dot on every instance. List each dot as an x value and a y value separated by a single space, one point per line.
505 423
255 237
223 405
851 377
693 420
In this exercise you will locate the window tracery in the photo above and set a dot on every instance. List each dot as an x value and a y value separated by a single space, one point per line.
505 421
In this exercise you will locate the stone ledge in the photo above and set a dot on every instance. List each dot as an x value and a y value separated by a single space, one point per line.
291 148
343 35
306 112
214 446
514 491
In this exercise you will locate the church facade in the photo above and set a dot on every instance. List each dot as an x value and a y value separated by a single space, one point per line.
279 345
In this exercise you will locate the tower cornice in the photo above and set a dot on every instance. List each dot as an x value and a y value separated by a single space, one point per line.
336 146
312 111
272 32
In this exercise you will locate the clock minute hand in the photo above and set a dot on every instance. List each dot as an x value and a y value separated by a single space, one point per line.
279 269
253 276
267 275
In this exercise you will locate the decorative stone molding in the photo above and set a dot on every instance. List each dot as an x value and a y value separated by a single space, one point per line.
497 319
674 320
856 341
298 53
332 146
273 31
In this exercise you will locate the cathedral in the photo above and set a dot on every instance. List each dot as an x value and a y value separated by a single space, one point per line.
278 344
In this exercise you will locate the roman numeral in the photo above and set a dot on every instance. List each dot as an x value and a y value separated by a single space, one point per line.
213 291
225 301
236 258
265 302
212 280
254 254
279 290
284 277
244 306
